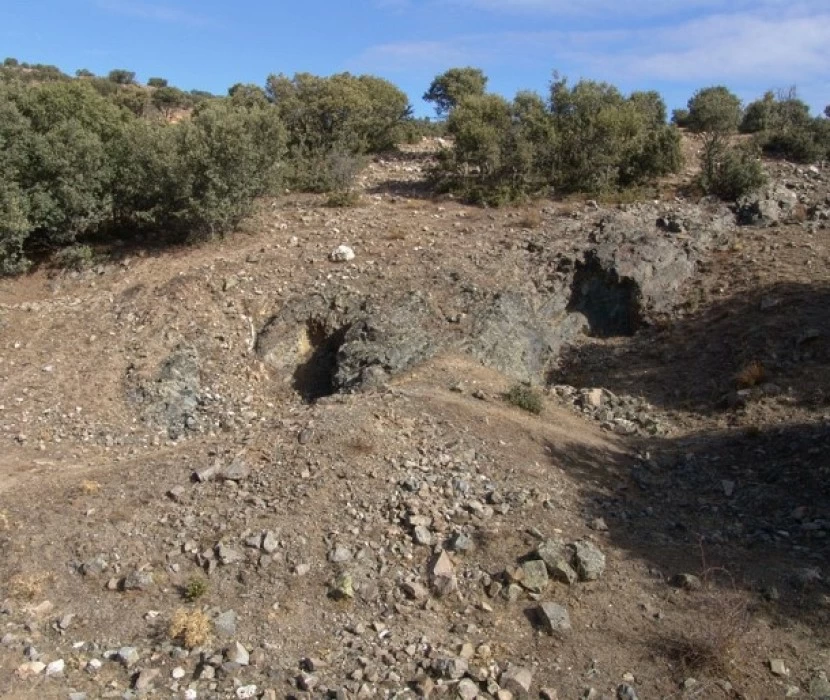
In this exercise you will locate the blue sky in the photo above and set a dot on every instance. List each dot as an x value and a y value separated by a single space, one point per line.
674 46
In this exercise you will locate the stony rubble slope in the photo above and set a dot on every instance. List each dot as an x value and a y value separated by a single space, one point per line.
250 470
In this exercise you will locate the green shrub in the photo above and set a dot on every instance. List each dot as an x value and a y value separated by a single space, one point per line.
799 145
157 82
589 138
75 257
714 109
651 105
607 141
245 94
14 227
525 397
414 130
195 588
226 157
169 100
730 172
784 128
680 118
453 86
343 199
73 165
358 114
120 76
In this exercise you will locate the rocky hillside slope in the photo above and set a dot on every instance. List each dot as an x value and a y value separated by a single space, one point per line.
282 464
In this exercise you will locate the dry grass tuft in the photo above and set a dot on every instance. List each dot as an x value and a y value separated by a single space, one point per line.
799 214
723 620
360 445
530 219
90 487
751 375
29 586
190 627
709 646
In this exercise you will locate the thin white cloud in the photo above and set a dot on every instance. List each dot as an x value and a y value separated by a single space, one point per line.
423 55
727 47
758 46
155 12
624 8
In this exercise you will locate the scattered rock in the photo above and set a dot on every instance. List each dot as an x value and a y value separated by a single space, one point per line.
342 253
238 654
534 576
555 617
443 577
31 668
422 536
688 582
138 581
343 587
626 692
238 470
55 668
467 689
128 656
225 624
228 555
590 561
451 668
517 680
144 680
778 667
559 561
415 591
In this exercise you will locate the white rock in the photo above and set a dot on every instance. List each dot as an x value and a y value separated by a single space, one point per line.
342 254
246 691
178 673
55 668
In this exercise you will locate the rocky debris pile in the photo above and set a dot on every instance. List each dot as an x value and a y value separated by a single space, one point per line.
406 571
796 195
174 397
622 415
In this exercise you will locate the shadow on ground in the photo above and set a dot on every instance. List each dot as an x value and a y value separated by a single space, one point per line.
692 363
755 504
403 186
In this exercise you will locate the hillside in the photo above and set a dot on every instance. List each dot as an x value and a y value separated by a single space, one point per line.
314 459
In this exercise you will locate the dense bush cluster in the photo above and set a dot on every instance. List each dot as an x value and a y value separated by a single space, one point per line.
588 138
90 159
332 122
784 128
75 165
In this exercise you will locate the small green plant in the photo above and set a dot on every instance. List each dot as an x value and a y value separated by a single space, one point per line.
195 588
525 397
343 199
75 257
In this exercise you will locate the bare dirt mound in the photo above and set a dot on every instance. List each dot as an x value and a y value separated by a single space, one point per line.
247 470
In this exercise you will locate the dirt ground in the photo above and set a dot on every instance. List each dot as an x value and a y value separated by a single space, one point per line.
715 530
